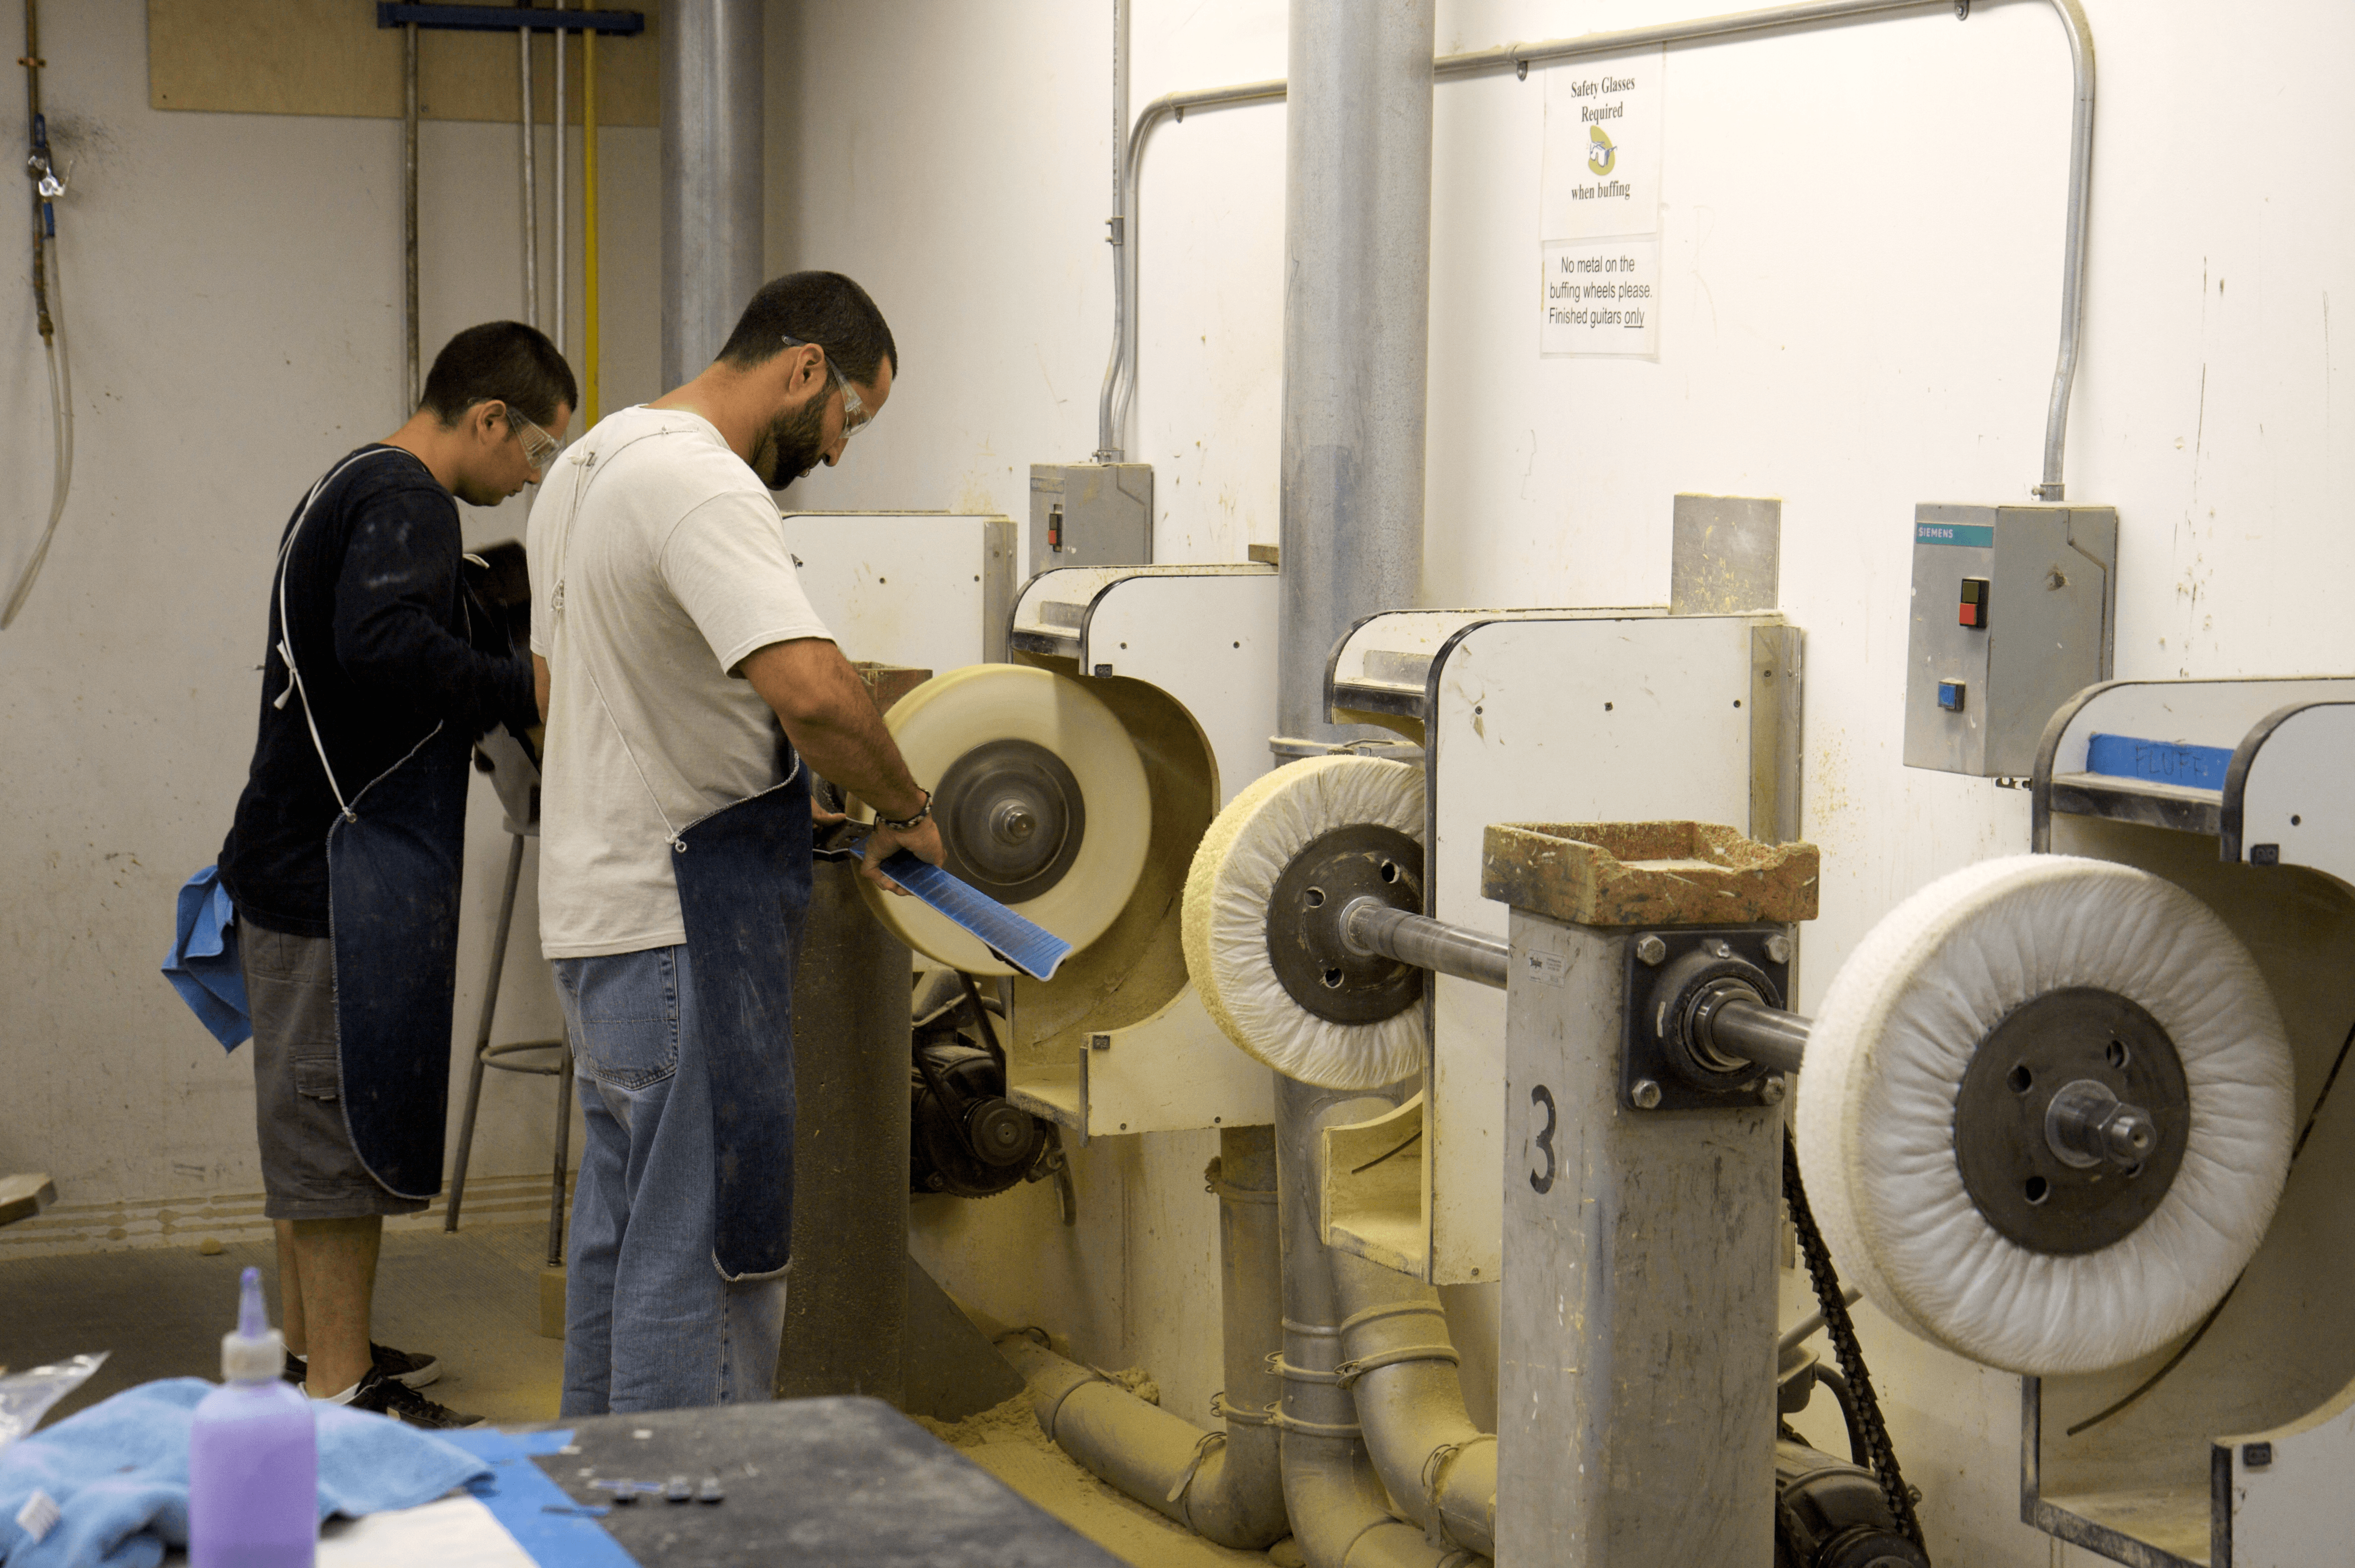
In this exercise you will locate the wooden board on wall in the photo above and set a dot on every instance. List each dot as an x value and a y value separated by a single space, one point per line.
329 57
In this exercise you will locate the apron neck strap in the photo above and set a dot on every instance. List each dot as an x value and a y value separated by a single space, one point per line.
286 636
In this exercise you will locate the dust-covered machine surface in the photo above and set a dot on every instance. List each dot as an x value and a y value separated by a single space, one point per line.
1546 911
2047 1116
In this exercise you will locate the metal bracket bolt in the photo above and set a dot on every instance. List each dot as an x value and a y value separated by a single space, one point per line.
1778 948
1651 950
1646 1093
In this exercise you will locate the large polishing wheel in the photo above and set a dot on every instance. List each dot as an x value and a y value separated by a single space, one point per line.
2046 1112
1263 902
1041 801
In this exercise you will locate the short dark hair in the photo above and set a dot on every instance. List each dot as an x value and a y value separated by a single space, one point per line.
505 360
823 308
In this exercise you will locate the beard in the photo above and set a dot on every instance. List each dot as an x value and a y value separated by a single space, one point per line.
791 445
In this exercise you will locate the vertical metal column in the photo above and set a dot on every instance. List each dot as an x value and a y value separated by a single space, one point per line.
1357 309
409 210
1635 1362
531 135
563 131
711 133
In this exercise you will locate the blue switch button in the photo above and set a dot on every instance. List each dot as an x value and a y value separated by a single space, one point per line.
1950 695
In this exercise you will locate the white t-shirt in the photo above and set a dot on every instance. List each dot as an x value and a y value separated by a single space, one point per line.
659 563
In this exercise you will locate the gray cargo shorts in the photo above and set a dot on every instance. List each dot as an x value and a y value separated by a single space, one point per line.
309 1168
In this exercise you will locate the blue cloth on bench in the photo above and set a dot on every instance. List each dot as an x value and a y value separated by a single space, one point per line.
118 1472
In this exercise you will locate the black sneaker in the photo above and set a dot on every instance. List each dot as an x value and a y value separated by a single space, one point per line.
404 1366
400 1366
385 1397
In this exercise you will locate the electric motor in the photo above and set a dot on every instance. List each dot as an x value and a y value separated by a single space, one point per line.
1829 1513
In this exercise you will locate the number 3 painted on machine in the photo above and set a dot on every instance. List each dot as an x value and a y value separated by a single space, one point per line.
1543 1182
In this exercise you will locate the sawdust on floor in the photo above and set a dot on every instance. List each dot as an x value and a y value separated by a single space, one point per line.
1005 1441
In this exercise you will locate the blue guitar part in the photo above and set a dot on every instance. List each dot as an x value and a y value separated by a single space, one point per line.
1029 947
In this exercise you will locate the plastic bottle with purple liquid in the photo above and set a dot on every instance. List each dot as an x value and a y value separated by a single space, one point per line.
254 1455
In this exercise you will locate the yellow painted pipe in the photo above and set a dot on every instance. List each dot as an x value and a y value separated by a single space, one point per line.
588 223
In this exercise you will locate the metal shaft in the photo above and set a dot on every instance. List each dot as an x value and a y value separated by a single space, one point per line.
1371 926
1754 1031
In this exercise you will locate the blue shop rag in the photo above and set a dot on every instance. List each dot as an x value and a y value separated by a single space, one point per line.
118 1473
203 965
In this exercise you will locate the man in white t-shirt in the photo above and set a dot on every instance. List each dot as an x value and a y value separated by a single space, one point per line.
671 639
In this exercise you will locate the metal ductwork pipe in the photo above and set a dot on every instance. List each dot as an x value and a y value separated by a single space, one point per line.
1340 1514
1357 313
711 133
1226 1488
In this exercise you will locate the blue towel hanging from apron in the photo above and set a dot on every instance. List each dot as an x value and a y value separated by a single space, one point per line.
204 965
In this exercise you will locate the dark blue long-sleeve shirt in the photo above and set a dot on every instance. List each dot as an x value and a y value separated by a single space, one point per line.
380 629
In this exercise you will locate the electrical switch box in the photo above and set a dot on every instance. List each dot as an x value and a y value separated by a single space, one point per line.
2013 613
1091 514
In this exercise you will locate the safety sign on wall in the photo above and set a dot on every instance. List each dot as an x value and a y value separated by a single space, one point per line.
1599 207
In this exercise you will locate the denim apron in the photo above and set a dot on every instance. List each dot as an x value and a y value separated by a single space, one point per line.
744 889
394 855
743 874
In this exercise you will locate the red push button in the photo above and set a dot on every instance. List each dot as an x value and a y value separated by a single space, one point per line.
1973 611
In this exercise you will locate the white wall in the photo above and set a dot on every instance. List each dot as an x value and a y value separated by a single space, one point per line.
1862 240
1863 234
233 303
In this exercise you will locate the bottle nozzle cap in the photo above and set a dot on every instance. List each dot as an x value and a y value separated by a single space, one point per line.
252 1316
256 1352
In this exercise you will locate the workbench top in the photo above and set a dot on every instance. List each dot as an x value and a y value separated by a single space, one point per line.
849 1483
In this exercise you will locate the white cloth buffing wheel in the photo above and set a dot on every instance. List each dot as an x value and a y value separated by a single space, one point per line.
951 714
1227 892
1885 1062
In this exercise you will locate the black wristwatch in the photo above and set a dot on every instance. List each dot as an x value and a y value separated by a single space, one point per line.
904 824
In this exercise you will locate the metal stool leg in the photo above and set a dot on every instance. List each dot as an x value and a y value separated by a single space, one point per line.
563 1139
483 1035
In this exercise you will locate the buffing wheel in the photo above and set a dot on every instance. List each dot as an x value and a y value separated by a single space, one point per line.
1231 898
1041 801
1929 1091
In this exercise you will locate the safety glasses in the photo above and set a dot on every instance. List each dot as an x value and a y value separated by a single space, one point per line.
540 448
855 417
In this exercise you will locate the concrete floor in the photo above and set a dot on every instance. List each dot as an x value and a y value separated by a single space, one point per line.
472 1299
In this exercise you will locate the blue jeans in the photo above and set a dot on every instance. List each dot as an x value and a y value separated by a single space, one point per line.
648 1322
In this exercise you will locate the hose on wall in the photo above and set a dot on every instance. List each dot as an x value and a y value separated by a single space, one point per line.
48 299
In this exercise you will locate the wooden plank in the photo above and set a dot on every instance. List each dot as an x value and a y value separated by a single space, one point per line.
329 57
22 1197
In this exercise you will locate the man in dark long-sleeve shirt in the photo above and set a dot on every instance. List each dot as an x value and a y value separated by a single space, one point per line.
392 676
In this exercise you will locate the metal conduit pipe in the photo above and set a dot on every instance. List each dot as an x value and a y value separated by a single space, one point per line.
1120 373
1225 1487
1340 1513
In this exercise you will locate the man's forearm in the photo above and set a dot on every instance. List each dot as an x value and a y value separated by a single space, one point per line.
832 720
862 759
